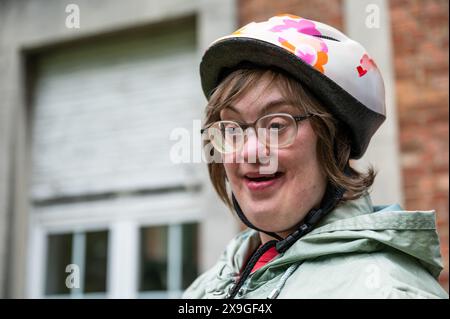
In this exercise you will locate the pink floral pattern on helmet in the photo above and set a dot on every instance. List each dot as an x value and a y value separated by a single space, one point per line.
335 67
366 64
293 33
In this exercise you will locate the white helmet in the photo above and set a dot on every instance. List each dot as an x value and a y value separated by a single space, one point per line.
335 68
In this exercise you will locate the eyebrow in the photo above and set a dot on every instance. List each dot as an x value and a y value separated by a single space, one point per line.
270 105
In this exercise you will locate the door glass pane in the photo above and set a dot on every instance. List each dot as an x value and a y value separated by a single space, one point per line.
153 258
59 255
96 259
190 253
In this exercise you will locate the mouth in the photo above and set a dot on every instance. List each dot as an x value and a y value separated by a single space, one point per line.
260 182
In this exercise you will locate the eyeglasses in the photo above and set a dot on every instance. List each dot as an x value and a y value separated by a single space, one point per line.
273 130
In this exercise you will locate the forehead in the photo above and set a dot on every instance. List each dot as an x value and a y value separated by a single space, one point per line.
257 98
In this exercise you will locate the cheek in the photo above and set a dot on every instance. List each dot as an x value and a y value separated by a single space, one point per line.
302 160
231 170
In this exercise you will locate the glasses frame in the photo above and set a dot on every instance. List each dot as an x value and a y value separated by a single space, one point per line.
245 126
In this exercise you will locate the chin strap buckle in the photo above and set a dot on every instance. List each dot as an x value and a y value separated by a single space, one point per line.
284 244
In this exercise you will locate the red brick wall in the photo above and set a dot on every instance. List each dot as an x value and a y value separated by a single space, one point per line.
420 44
420 38
327 11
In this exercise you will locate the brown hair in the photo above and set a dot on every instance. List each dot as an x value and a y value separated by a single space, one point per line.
333 145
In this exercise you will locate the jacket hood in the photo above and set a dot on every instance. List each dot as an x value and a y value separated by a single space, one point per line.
358 227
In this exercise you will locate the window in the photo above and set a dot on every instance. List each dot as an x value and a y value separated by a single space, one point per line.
88 251
168 259
153 260
59 256
190 254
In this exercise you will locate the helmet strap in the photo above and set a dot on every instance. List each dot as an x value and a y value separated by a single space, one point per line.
244 219
331 198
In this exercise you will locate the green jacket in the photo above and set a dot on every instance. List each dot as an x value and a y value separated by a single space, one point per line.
357 251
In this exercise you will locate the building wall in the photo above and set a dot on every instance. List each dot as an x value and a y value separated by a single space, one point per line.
327 11
33 26
420 37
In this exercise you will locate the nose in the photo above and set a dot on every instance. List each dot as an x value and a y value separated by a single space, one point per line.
253 150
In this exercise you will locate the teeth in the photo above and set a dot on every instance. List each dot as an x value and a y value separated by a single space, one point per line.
263 177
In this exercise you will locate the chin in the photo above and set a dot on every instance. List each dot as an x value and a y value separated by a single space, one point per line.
261 208
263 217
270 226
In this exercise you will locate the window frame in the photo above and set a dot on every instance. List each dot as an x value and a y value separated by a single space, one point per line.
125 218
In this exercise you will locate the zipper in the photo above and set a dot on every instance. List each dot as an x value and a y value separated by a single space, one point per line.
249 266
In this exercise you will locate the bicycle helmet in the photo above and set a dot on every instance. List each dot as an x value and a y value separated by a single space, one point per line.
337 69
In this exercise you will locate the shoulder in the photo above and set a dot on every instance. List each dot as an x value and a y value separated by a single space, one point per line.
201 286
385 274
403 276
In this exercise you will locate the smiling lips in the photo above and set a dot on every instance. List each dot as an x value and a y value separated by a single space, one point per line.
260 182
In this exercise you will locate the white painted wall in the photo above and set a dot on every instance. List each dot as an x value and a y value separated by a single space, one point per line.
44 27
104 114
383 151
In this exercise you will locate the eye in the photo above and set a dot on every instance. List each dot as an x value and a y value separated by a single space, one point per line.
230 130
277 124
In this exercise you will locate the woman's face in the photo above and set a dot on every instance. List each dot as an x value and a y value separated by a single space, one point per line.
279 204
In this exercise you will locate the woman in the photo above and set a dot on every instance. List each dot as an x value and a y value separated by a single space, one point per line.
290 102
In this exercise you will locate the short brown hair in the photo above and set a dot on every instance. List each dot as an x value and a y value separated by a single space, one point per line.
333 144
